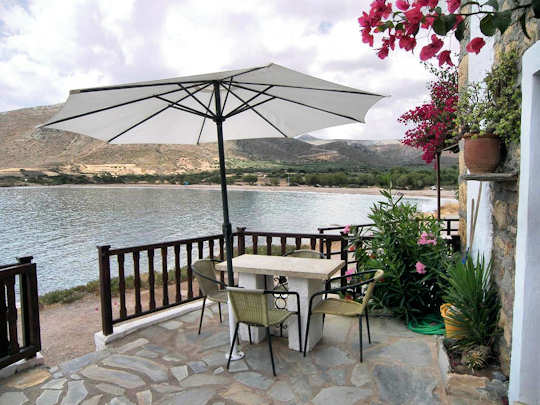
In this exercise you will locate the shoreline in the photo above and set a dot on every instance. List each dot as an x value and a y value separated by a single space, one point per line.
426 193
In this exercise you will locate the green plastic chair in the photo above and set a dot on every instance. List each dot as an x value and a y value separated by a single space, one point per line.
251 308
343 307
205 274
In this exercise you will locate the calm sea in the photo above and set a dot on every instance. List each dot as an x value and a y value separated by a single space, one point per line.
61 227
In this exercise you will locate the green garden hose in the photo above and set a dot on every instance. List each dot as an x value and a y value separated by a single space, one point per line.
431 324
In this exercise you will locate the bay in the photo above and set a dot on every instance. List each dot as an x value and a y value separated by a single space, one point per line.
61 226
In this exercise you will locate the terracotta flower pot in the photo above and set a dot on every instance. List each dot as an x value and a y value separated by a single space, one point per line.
482 153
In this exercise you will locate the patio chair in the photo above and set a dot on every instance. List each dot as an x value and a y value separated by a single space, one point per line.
345 307
205 274
251 308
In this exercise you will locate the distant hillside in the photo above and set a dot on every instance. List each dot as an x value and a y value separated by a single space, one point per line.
23 146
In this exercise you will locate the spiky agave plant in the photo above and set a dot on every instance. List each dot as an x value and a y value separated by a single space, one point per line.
472 291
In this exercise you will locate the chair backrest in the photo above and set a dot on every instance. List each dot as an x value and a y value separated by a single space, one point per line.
305 253
205 272
370 286
249 306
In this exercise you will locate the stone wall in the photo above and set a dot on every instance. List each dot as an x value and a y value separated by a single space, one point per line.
504 198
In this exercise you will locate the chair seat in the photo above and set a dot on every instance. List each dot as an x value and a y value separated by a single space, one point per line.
277 316
219 296
337 306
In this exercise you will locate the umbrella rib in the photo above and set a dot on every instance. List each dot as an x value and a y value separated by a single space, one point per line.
226 95
112 106
260 115
245 108
197 100
153 115
313 88
183 107
204 119
193 83
234 112
247 71
303 104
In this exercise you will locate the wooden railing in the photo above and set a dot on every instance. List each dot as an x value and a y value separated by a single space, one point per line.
448 229
19 341
179 255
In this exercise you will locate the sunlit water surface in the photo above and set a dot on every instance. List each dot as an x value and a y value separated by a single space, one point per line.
61 227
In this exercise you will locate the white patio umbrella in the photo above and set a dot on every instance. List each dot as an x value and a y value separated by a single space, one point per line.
260 102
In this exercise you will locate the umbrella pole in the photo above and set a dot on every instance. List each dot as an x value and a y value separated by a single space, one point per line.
227 229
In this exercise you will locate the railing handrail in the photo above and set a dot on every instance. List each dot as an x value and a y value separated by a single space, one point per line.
172 243
336 227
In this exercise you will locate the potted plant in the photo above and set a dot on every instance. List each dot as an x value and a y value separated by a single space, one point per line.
489 113
474 313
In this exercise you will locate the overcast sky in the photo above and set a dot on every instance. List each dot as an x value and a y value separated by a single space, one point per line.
48 47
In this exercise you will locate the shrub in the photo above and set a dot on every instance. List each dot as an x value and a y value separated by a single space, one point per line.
410 250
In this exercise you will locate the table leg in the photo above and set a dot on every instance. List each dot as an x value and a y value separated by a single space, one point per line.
305 288
253 281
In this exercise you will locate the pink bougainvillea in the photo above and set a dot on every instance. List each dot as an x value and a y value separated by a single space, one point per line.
409 18
432 123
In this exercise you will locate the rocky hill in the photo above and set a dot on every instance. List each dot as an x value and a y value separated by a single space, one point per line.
23 146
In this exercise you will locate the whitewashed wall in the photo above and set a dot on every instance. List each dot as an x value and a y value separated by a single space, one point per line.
479 65
525 361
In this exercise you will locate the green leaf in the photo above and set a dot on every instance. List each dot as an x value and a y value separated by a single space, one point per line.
487 26
494 4
439 26
449 20
460 31
503 20
523 23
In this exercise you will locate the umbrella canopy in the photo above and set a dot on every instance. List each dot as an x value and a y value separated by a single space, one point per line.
260 102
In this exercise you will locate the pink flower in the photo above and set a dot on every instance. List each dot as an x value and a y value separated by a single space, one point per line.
364 20
407 43
420 268
347 229
414 15
402 5
444 57
350 271
352 248
429 51
367 38
453 5
383 52
475 45
424 241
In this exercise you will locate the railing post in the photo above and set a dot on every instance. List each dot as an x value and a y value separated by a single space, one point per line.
344 256
241 240
24 298
105 289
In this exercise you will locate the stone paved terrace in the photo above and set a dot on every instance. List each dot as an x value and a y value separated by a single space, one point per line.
169 363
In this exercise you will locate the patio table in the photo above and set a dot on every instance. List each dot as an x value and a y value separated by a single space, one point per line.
305 276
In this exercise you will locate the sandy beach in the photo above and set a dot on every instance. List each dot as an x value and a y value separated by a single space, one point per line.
446 194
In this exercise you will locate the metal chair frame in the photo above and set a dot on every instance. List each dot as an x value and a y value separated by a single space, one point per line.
356 288
223 285
297 312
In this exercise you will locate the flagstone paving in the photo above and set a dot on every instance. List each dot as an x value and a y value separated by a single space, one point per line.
170 363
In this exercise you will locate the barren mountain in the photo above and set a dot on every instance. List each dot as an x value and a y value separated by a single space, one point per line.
24 146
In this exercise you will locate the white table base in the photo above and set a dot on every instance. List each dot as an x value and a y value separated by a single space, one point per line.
305 288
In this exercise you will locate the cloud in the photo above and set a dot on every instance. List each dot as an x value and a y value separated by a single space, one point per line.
51 46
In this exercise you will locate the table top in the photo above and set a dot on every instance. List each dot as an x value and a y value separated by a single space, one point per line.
296 267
